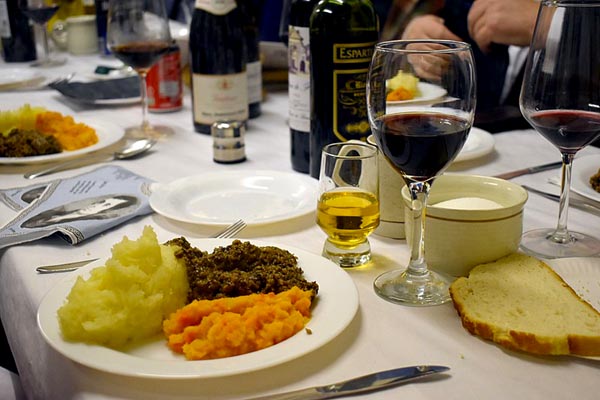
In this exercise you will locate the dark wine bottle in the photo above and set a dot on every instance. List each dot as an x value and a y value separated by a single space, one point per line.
253 63
343 34
218 61
18 44
299 82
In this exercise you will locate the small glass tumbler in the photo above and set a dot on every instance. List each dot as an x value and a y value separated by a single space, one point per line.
348 205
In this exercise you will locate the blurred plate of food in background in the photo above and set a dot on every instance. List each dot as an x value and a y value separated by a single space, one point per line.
107 134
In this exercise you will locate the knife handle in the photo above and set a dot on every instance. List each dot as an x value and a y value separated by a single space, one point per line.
512 174
62 166
302 394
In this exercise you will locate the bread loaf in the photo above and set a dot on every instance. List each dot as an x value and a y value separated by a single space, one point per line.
520 303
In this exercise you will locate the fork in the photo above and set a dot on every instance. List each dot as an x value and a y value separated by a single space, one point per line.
231 230
228 232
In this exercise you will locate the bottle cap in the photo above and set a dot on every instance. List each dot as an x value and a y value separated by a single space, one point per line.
228 141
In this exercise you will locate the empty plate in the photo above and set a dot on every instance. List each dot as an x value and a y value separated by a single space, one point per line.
220 198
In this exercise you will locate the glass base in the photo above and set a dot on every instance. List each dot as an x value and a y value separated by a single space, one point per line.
399 287
348 258
149 132
545 244
49 62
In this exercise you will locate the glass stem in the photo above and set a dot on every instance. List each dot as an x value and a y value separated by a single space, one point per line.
144 99
419 193
45 41
561 234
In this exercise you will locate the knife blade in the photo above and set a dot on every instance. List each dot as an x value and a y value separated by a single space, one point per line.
530 170
573 201
362 384
64 267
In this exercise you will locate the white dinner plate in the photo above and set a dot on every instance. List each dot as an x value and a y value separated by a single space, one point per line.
479 143
583 169
13 78
583 275
428 93
107 132
220 198
333 310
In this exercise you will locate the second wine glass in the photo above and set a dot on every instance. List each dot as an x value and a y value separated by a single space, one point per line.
560 98
138 34
40 12
420 136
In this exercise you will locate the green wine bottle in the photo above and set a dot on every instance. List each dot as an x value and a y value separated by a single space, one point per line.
343 34
299 82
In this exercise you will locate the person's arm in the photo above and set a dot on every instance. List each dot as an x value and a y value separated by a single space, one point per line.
508 22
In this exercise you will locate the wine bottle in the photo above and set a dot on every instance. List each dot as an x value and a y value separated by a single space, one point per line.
218 61
343 34
101 17
18 44
253 63
299 82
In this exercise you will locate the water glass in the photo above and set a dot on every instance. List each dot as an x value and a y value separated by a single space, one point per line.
348 205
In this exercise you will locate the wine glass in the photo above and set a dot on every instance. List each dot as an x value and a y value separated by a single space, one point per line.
40 12
138 34
348 205
420 137
560 98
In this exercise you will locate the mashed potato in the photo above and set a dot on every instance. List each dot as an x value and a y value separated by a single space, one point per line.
127 299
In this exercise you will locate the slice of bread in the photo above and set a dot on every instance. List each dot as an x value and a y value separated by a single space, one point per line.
520 303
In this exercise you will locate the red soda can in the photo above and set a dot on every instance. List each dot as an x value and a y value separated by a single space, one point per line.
163 83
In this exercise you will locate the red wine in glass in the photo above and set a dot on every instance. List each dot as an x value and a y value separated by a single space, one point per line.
421 145
141 55
40 15
569 130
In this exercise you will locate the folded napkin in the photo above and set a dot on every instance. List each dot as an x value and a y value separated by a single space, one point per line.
75 208
111 89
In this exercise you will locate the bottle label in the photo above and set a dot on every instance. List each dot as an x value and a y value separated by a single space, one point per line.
4 21
220 98
350 119
254 72
216 7
299 78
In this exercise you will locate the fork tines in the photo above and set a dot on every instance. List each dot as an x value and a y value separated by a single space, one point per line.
231 230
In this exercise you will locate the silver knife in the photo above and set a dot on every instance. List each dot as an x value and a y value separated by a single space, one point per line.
530 170
65 267
363 384
573 201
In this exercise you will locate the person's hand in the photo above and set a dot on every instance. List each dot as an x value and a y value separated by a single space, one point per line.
428 67
509 22
428 27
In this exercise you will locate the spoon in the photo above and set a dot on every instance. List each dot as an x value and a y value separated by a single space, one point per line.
131 150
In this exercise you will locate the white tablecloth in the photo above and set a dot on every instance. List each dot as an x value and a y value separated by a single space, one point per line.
382 336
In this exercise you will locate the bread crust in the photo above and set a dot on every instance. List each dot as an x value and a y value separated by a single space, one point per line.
530 342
